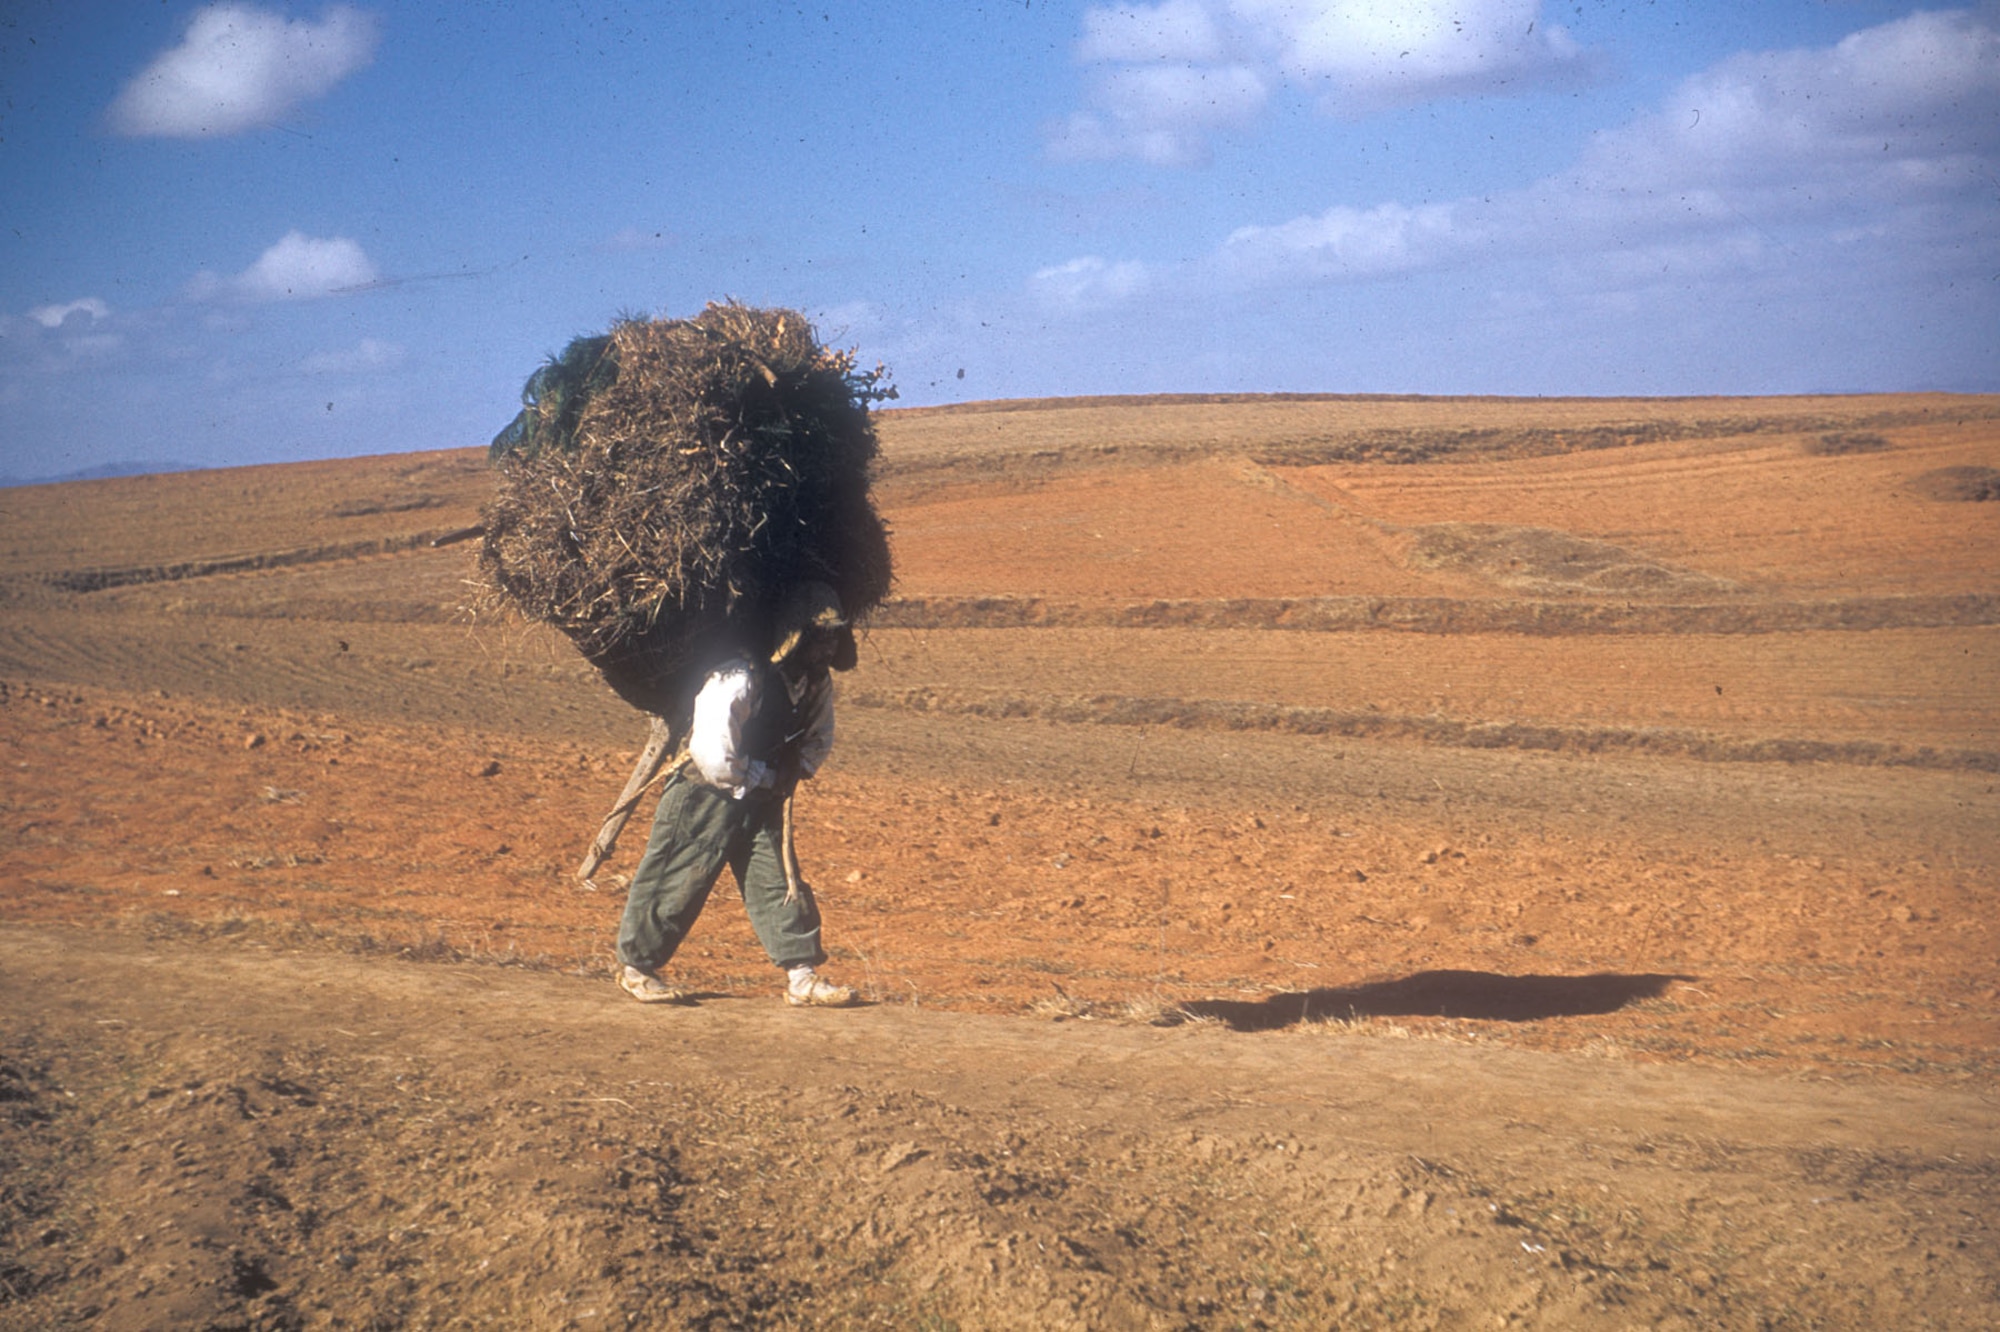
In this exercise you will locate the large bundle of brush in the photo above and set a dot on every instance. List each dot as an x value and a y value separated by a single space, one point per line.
667 482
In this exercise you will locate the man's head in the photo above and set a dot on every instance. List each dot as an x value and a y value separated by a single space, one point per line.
812 631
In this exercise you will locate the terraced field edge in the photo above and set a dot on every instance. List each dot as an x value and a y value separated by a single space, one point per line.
1227 716
1445 615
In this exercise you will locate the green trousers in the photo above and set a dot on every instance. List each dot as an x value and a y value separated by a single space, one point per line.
696 832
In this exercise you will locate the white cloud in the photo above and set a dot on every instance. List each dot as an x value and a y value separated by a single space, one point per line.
1179 30
367 355
298 267
1364 55
1089 283
1167 76
1183 94
239 68
1827 221
53 316
1886 107
1345 242
1893 134
54 339
1161 113
1084 137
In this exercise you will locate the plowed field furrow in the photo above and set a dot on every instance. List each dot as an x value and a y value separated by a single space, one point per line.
1907 688
97 580
193 517
1182 425
1874 697
415 585
1212 715
1670 467
442 673
1768 517
1205 529
418 589
1811 529
1444 615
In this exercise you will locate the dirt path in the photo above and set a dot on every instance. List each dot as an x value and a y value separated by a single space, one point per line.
236 1136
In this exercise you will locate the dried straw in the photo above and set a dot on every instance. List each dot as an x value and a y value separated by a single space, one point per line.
667 482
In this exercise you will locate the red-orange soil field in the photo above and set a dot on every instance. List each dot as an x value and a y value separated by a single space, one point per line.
1311 862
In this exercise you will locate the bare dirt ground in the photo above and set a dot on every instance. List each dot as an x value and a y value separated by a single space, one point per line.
1313 862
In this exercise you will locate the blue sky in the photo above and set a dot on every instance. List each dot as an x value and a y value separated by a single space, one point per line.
252 233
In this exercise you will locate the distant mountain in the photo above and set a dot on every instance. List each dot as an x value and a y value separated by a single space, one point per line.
130 467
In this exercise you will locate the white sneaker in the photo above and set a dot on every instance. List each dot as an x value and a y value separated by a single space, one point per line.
646 987
805 989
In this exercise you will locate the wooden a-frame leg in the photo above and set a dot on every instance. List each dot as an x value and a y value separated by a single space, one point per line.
650 762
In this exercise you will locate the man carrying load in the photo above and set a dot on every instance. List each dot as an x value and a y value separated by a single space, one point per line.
758 729
687 500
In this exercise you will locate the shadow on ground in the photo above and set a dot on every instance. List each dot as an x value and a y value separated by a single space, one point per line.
1453 994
